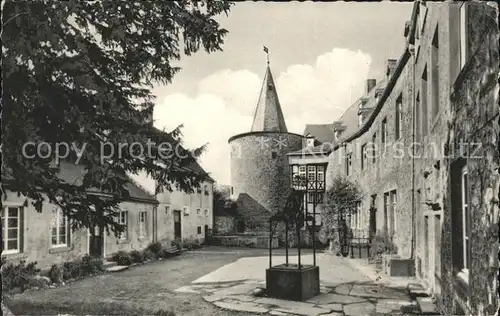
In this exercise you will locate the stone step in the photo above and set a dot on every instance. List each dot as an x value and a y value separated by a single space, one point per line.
427 306
117 268
109 264
416 290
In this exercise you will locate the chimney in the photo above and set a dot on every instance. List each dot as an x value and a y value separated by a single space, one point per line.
370 84
390 66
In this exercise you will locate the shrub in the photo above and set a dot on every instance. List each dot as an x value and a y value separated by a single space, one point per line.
382 244
149 255
155 247
89 265
20 276
56 274
72 270
122 258
163 253
196 244
137 256
177 243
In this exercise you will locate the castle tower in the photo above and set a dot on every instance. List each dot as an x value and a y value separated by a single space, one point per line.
260 175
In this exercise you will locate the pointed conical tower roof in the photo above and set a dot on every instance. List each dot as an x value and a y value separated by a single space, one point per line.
268 115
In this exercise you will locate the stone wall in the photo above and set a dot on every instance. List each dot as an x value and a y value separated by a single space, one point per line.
474 102
260 174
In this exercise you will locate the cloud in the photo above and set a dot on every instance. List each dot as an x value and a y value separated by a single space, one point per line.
226 100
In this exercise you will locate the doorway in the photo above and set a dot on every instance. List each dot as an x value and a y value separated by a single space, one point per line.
96 242
177 225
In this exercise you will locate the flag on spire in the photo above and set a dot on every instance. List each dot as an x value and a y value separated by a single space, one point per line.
266 50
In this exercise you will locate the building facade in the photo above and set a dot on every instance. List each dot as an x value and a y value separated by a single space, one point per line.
456 113
424 151
184 215
260 174
47 238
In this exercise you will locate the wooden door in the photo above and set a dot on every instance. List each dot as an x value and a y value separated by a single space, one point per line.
96 243
177 225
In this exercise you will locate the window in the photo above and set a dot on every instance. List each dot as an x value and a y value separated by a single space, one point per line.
320 173
59 228
167 209
374 147
465 221
423 101
11 229
384 131
274 155
185 210
435 73
310 141
463 34
232 191
206 190
399 117
394 200
142 224
363 156
123 220
387 221
199 230
461 247
336 135
417 117
198 211
360 119
302 171
311 173
348 163
206 212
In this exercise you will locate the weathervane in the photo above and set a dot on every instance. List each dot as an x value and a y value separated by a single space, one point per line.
266 50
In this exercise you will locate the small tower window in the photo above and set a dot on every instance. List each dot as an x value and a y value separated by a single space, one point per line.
274 154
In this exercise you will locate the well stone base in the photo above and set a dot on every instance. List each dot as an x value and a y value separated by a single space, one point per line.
289 283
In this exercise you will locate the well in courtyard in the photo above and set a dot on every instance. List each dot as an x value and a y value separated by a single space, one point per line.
296 282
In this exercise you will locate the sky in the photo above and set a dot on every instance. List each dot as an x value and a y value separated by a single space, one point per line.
320 55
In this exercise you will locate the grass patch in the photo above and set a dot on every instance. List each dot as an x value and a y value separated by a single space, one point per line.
28 307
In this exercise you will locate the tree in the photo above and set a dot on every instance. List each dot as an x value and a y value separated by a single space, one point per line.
341 198
80 73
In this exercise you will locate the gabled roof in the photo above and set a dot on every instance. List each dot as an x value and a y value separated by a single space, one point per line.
268 116
73 174
321 132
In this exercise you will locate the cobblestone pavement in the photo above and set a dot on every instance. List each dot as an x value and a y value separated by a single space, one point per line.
356 299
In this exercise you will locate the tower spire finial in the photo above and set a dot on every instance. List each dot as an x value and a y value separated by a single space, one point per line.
266 50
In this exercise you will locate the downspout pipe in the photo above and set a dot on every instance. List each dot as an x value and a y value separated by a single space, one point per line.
414 110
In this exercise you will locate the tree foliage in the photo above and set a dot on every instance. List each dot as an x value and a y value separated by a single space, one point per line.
81 73
292 214
341 198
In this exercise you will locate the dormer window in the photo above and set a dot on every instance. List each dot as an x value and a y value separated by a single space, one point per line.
336 135
310 142
360 119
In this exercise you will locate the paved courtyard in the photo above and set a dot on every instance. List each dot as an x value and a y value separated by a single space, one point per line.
344 290
213 281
